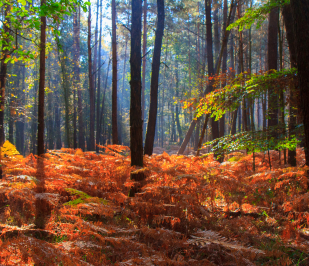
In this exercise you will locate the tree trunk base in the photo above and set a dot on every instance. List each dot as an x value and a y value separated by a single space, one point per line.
137 176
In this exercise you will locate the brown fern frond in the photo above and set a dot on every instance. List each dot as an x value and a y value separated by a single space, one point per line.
210 237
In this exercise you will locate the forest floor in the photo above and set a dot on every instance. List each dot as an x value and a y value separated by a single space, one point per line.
190 210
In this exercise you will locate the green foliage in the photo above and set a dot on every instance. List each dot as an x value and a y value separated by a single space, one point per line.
76 192
82 197
257 14
22 16
257 141
248 86
234 159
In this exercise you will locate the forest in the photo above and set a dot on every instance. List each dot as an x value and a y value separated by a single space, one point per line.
154 132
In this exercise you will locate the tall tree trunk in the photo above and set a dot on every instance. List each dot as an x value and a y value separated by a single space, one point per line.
151 127
42 84
272 64
11 120
224 66
144 63
214 124
162 106
50 130
289 27
91 88
57 118
99 82
34 125
3 72
216 28
76 34
66 92
136 122
95 65
241 69
103 101
177 106
114 85
21 122
300 11
190 88
234 113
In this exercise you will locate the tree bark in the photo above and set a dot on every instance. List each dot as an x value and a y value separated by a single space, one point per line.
57 119
210 61
289 27
76 34
300 11
153 109
224 65
114 85
91 88
136 122
99 82
144 61
42 84
272 64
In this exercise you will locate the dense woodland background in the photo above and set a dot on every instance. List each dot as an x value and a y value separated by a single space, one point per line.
87 86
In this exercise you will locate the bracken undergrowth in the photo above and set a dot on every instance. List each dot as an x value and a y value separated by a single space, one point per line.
72 208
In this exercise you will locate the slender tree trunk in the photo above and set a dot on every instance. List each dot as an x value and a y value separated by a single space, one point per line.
57 120
99 82
272 64
177 106
163 97
103 101
21 122
76 34
3 72
91 88
241 65
65 85
288 21
11 121
224 66
214 124
95 65
149 141
190 89
216 28
35 113
144 62
42 85
114 85
50 111
234 113
202 135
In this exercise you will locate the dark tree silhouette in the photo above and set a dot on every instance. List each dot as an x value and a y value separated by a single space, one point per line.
136 122
152 118
42 84
300 11
91 88
114 85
